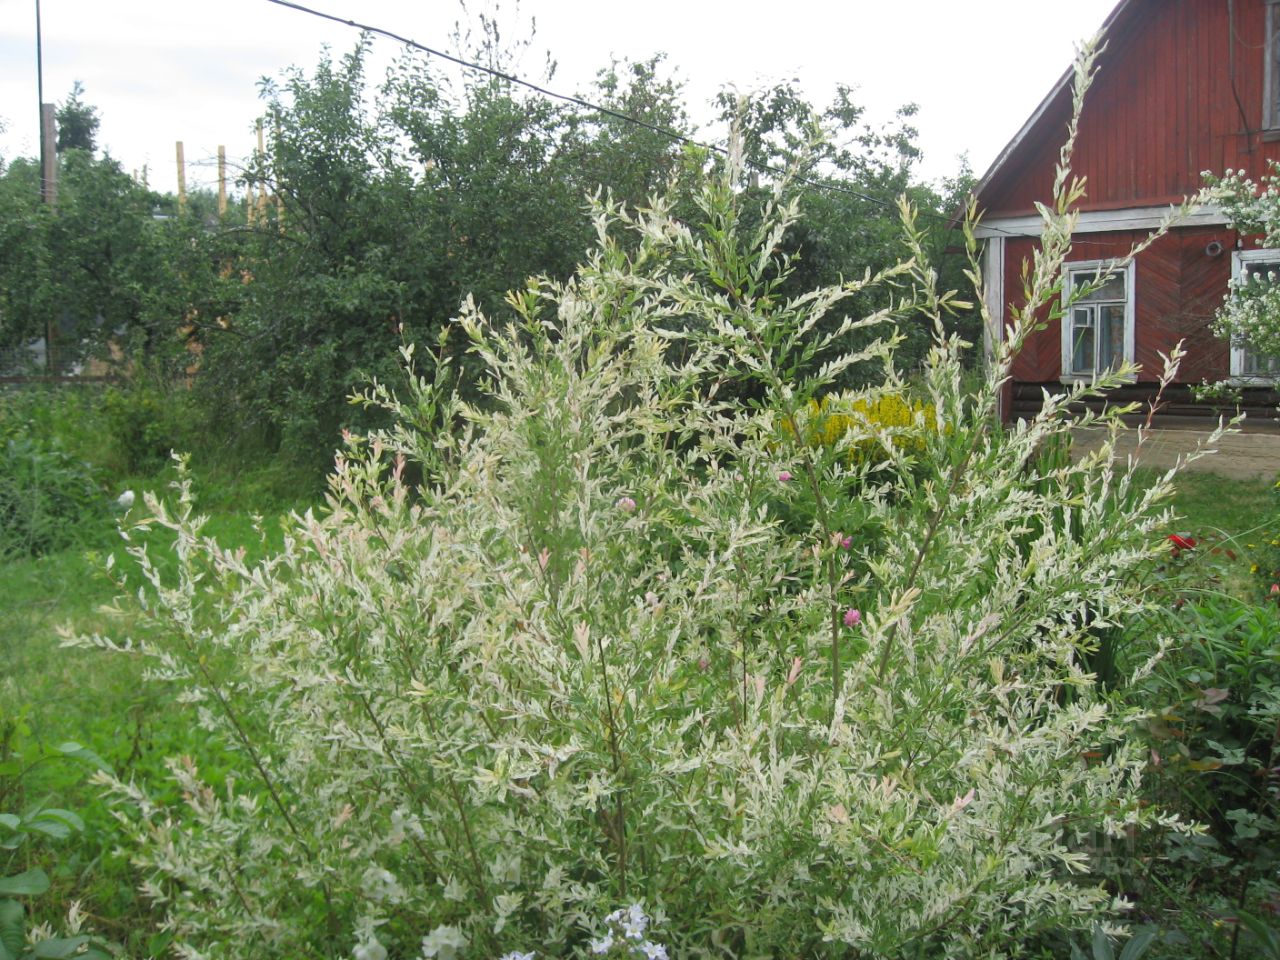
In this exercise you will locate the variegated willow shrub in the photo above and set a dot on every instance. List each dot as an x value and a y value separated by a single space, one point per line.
582 665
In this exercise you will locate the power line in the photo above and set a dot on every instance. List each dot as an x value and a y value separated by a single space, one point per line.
628 118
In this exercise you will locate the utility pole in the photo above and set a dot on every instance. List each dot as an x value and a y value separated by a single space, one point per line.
40 97
182 177
48 168
222 182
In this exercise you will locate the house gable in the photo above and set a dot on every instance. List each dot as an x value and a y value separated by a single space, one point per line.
1180 89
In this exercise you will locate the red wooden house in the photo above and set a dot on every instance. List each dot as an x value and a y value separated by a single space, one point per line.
1184 86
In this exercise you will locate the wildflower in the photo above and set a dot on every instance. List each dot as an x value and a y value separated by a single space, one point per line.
654 951
846 543
516 955
443 943
852 617
1275 589
784 476
634 922
125 500
1181 542
603 945
370 950
625 504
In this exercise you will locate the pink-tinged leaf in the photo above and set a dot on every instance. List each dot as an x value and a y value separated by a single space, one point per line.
1212 696
796 664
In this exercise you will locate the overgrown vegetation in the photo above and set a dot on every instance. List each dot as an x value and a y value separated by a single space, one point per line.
654 608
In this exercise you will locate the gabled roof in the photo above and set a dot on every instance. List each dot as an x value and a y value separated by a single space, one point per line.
1061 90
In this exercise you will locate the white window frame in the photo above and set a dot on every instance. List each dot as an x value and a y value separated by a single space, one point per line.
1092 268
1271 69
1239 260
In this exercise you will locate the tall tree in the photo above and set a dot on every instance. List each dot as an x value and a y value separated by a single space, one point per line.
77 122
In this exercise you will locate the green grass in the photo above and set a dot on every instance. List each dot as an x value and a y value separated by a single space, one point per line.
1233 509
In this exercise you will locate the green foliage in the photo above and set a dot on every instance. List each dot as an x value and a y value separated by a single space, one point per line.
50 497
25 830
1101 947
146 422
77 122
1217 699
1263 551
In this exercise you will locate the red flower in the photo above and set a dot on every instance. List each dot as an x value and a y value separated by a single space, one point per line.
1180 542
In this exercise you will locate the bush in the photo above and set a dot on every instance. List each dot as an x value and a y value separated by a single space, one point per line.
586 664
146 422
48 499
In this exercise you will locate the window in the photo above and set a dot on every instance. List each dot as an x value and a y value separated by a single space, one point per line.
1260 266
1097 320
1271 73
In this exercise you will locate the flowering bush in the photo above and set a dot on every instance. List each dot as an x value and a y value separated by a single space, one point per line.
584 663
1251 312
866 429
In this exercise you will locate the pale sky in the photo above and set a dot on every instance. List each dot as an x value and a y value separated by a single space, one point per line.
165 70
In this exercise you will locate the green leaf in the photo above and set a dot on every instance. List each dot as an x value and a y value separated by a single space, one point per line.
58 948
12 922
1138 944
1263 932
10 820
73 749
51 828
67 817
1101 945
28 883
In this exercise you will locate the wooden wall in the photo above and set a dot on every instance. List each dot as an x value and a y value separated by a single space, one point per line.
1177 289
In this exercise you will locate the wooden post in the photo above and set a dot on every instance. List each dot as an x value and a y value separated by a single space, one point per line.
182 180
262 192
249 206
222 181
49 154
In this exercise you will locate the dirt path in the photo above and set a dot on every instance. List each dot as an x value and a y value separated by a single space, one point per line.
1251 455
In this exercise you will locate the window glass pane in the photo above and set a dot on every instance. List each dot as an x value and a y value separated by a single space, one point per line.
1273 26
1110 336
1082 341
1253 365
1111 288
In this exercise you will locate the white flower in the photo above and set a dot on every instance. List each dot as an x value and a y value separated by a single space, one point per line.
125 500
516 955
602 945
635 922
654 951
443 943
370 950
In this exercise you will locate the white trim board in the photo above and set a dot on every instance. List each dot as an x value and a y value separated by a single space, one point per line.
1104 221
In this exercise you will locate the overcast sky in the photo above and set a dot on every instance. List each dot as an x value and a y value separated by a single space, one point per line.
165 70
